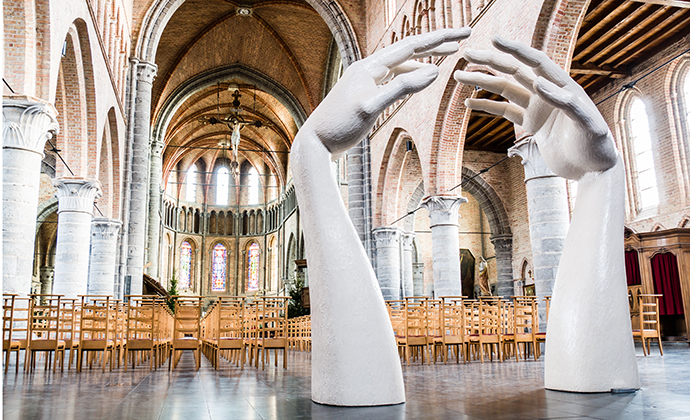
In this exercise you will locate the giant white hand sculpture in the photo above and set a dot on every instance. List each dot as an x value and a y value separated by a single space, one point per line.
354 359
589 345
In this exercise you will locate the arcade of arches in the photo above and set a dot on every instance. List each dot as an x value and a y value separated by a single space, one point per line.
152 137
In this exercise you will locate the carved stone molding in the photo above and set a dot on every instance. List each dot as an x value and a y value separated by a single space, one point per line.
76 194
387 236
28 123
502 244
407 240
146 71
157 148
534 164
443 209
104 228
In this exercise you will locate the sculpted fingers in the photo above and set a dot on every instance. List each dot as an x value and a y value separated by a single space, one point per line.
399 87
511 112
418 46
498 85
503 63
577 107
405 67
537 60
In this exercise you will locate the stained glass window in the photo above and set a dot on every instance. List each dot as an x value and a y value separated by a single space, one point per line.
222 185
253 274
185 266
220 257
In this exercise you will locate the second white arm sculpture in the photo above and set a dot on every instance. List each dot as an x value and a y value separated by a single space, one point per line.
354 360
589 346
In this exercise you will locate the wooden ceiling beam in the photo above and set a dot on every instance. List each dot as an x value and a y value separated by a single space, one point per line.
634 15
596 20
639 42
487 128
578 68
489 131
671 3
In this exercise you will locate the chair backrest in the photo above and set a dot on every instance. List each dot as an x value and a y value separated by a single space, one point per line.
142 318
96 323
69 319
416 319
472 319
453 315
8 300
273 313
188 317
230 317
526 314
434 314
490 316
396 313
44 323
649 312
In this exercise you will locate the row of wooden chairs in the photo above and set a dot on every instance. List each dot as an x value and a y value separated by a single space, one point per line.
92 328
245 332
468 328
299 333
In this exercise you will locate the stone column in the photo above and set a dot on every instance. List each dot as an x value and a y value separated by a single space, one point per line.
139 187
407 259
388 260
445 245
46 275
154 221
418 278
104 233
76 196
548 218
28 123
503 246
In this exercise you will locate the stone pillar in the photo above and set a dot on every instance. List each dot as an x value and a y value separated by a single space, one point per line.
388 261
407 260
548 218
76 197
503 246
28 123
104 233
139 187
445 245
46 276
418 278
154 227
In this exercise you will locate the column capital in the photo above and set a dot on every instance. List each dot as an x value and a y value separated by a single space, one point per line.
145 71
28 123
387 236
157 148
534 164
104 228
76 194
502 243
443 209
407 239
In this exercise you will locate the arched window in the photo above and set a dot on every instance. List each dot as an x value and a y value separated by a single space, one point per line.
185 282
253 264
191 184
220 258
391 8
641 143
253 185
222 185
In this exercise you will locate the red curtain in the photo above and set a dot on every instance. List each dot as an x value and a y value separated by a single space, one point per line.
667 283
632 268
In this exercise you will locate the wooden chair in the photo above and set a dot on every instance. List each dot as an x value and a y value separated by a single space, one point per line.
526 315
541 335
44 330
508 330
649 326
453 331
96 331
490 336
140 330
416 329
69 327
187 329
15 321
272 333
472 328
163 330
396 313
250 331
229 330
434 313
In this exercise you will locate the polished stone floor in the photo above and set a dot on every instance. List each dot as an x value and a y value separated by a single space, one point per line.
509 390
